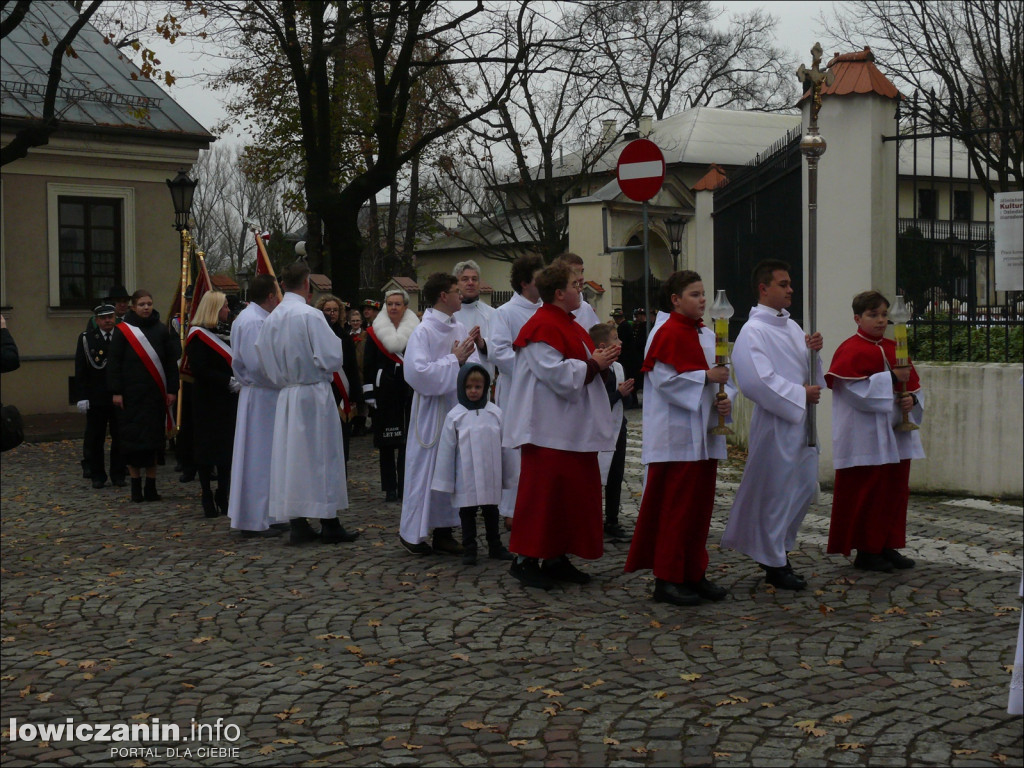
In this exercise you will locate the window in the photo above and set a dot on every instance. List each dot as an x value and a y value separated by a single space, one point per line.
927 203
91 242
90 249
962 205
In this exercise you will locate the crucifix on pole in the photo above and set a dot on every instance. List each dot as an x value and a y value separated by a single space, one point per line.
813 146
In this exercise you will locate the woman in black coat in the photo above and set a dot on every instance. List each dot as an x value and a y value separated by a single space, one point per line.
140 349
334 312
214 399
386 390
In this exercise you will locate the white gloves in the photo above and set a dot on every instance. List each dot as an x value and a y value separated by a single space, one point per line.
83 406
235 385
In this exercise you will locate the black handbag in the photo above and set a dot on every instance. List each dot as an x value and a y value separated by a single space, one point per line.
13 433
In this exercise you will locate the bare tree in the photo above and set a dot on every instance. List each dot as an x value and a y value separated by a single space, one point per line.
226 198
668 56
965 60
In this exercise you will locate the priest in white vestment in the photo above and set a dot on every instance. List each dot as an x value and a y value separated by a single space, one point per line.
780 482
437 348
249 501
299 352
473 312
509 319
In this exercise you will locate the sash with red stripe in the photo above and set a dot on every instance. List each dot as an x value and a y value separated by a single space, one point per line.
150 360
384 350
212 340
346 404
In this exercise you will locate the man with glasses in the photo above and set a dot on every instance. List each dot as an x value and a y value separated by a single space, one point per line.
584 314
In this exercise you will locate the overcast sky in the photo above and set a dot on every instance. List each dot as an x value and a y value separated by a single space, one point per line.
798 30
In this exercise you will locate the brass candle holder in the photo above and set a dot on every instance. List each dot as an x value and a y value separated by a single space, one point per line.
721 311
900 315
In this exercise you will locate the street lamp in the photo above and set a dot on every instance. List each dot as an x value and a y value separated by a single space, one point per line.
674 226
243 282
182 188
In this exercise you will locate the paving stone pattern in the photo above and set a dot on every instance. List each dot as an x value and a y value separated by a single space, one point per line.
361 654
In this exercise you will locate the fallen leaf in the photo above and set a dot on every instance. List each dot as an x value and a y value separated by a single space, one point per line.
460 656
141 716
805 665
721 754
842 718
933 614
959 683
86 664
266 664
655 623
999 757
690 676
475 725
594 684
550 711
844 745
609 740
835 662
407 745
44 696
767 704
518 743
965 751
187 685
936 662
266 749
742 699
725 703
201 640
660 695
374 622
41 653
826 609
285 741
642 750
354 649
551 692
25 691
533 688
896 610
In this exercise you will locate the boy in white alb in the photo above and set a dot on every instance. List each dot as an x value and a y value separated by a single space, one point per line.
471 464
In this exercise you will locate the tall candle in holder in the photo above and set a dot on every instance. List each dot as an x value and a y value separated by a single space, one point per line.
721 311
900 315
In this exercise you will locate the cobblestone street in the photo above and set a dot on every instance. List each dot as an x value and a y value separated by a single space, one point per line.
362 654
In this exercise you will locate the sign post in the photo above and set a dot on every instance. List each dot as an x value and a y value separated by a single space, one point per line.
640 172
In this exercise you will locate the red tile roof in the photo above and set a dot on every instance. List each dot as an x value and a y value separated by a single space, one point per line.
595 287
714 179
224 284
857 73
320 282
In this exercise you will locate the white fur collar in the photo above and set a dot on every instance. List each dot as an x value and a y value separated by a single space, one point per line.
395 339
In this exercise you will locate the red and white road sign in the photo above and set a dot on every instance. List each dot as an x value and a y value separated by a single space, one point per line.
640 170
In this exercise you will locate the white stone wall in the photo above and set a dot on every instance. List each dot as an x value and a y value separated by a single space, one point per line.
972 431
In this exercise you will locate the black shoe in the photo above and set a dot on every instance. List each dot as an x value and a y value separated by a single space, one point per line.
708 590
280 526
469 555
149 493
220 496
616 532
267 534
789 567
898 560
391 496
530 574
86 473
178 467
783 578
560 569
447 544
675 594
498 552
301 532
209 507
333 532
187 476
98 483
120 482
871 561
416 549
137 497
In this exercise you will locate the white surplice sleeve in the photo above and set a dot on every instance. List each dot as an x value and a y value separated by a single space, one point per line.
565 376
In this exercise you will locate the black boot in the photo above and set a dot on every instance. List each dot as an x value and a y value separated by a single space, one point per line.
333 532
301 532
209 507
467 516
220 496
495 549
150 493
137 497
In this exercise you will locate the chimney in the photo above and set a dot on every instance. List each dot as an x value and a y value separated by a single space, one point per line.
608 131
644 126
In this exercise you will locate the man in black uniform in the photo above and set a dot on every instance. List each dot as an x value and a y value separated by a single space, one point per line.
94 399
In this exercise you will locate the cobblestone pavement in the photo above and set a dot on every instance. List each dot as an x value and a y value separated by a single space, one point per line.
362 654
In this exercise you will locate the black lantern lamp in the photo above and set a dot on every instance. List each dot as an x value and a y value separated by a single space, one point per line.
674 225
243 282
182 188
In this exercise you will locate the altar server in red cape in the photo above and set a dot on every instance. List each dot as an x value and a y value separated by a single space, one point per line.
558 414
872 460
681 457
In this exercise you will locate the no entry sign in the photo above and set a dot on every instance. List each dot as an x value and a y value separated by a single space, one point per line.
640 170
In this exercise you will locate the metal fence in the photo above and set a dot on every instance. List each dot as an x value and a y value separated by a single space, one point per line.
945 264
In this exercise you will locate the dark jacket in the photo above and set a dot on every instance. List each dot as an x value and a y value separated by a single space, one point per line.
91 358
214 405
392 395
9 360
349 366
142 419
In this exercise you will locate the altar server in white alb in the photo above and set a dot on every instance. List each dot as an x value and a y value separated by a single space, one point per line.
585 315
509 319
437 348
474 313
471 462
299 352
781 478
249 501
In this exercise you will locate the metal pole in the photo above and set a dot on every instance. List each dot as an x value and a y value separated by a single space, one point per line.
647 271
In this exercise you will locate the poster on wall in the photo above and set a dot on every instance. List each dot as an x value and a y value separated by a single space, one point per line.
1009 241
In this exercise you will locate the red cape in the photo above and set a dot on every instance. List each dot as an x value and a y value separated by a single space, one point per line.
861 356
677 344
556 328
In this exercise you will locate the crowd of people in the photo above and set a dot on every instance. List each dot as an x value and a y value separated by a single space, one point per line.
514 412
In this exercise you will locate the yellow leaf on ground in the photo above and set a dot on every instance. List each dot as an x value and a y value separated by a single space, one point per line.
551 692
964 751
266 749
842 718
550 711
475 725
721 754
826 609
959 683
460 656
285 741
850 745
354 649
201 640
407 745
518 743
41 653
660 695
86 664
936 662
690 676
805 665
44 696
655 623
999 757
187 685
141 716
609 740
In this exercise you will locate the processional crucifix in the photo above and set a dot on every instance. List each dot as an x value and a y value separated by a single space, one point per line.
813 146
